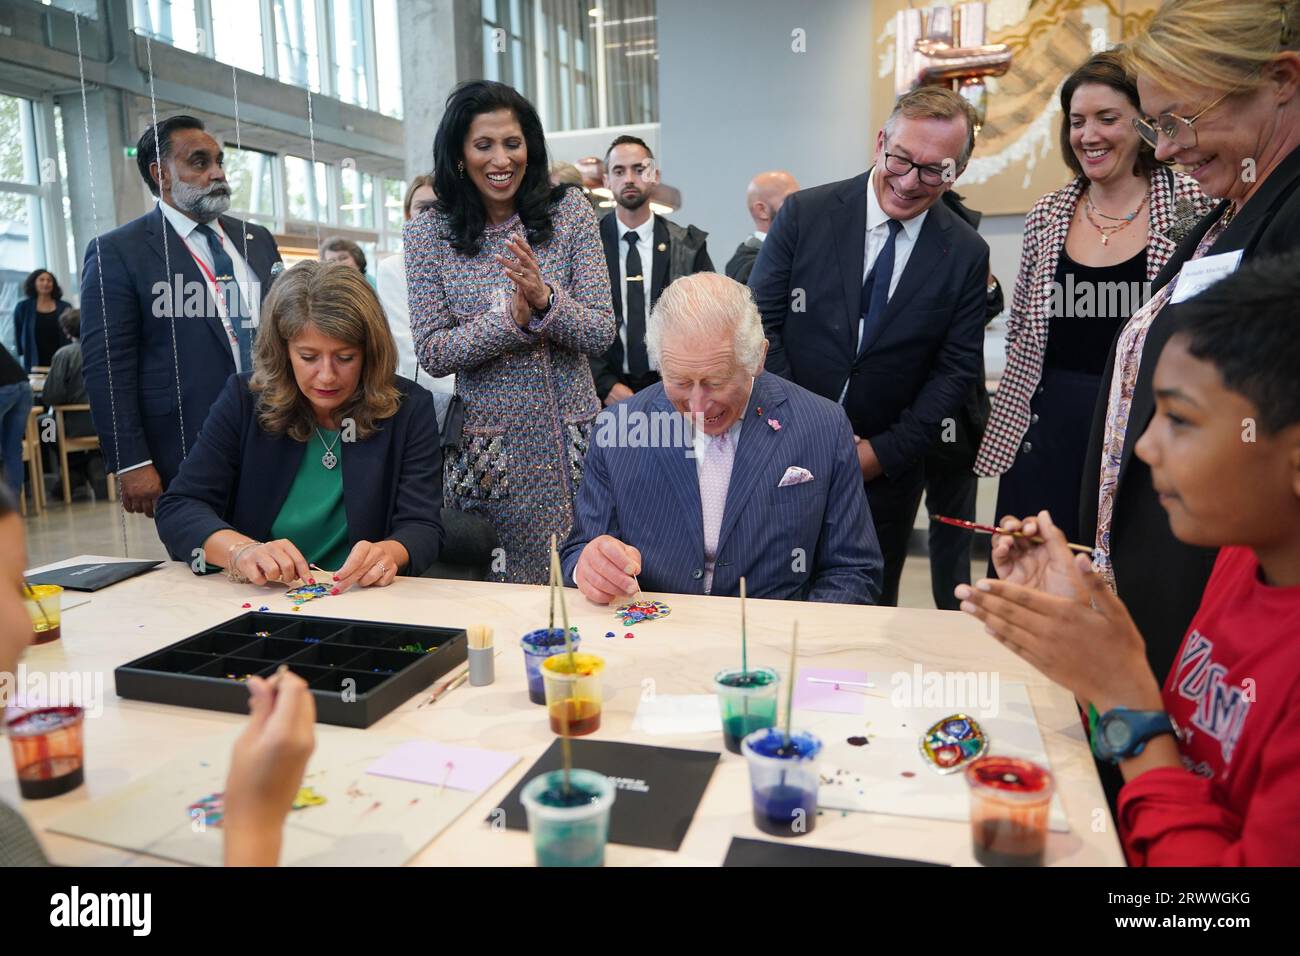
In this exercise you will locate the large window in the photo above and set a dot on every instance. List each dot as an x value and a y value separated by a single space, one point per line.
171 21
65 204
506 57
347 49
584 63
357 199
394 216
237 34
306 193
87 8
350 45
31 232
296 44
388 58
566 92
631 61
252 184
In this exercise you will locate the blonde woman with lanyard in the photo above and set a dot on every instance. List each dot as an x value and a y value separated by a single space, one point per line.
1113 226
1220 89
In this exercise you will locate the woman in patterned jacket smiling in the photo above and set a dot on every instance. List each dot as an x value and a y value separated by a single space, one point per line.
509 290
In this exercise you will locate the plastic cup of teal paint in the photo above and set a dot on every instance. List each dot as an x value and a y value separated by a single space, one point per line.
747 700
569 828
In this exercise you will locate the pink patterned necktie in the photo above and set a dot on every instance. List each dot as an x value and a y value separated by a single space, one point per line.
715 477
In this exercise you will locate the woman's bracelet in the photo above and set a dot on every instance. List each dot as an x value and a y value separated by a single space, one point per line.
232 569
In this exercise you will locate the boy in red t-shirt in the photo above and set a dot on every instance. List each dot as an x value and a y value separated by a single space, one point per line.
1211 763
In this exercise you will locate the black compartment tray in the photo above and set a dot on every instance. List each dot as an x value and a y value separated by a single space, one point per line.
356 670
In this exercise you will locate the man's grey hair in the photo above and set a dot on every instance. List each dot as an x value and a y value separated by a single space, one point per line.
937 102
710 306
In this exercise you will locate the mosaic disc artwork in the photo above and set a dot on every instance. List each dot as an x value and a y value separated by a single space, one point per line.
953 742
639 611
212 808
307 592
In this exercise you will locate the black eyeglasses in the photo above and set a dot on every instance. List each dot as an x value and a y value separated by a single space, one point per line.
901 166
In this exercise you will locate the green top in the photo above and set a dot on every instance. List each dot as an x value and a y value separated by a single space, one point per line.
312 516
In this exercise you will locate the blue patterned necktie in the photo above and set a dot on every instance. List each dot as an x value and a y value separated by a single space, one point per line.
223 269
875 294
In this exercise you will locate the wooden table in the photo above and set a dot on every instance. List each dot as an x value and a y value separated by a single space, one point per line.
679 654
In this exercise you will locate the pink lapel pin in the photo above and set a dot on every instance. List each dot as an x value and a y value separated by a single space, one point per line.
774 424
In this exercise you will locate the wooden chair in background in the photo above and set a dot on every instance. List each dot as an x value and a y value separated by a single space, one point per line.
68 444
35 468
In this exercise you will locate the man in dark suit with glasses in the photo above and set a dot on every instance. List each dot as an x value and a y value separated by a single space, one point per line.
872 294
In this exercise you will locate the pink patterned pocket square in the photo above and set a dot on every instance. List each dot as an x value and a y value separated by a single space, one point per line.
794 475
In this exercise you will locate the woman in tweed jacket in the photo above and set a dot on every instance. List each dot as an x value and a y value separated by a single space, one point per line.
1090 250
508 289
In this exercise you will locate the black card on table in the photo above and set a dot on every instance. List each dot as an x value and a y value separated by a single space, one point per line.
92 577
744 852
658 788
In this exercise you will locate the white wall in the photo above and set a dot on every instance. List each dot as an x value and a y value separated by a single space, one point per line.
734 100
572 145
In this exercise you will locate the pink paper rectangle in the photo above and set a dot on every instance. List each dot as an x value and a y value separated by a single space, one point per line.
423 761
825 697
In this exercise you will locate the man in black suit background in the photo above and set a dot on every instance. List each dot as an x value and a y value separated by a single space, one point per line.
763 197
873 295
660 252
169 306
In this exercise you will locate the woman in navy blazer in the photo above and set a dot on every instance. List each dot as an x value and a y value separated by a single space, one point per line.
42 306
322 394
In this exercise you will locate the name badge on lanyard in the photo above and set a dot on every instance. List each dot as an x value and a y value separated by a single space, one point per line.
1197 275
225 290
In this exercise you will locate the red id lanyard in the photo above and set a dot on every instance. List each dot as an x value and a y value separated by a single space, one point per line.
212 279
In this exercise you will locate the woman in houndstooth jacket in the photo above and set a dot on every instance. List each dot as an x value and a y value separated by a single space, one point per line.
1090 250
508 289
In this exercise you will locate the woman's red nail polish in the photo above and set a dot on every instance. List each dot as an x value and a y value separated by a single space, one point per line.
334 590
336 577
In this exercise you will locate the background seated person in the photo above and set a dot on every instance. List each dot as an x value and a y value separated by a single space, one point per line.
324 456
64 385
766 487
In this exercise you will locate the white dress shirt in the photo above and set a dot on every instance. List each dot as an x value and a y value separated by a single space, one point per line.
249 287
877 233
645 234
700 442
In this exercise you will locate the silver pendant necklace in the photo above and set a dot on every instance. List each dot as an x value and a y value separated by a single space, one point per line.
329 459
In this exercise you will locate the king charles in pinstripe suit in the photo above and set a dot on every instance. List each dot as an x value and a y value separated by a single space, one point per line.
766 487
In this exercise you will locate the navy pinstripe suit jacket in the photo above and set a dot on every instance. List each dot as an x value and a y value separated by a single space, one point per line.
812 541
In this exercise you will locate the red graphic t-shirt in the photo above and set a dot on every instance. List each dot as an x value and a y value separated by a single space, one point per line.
1234 693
